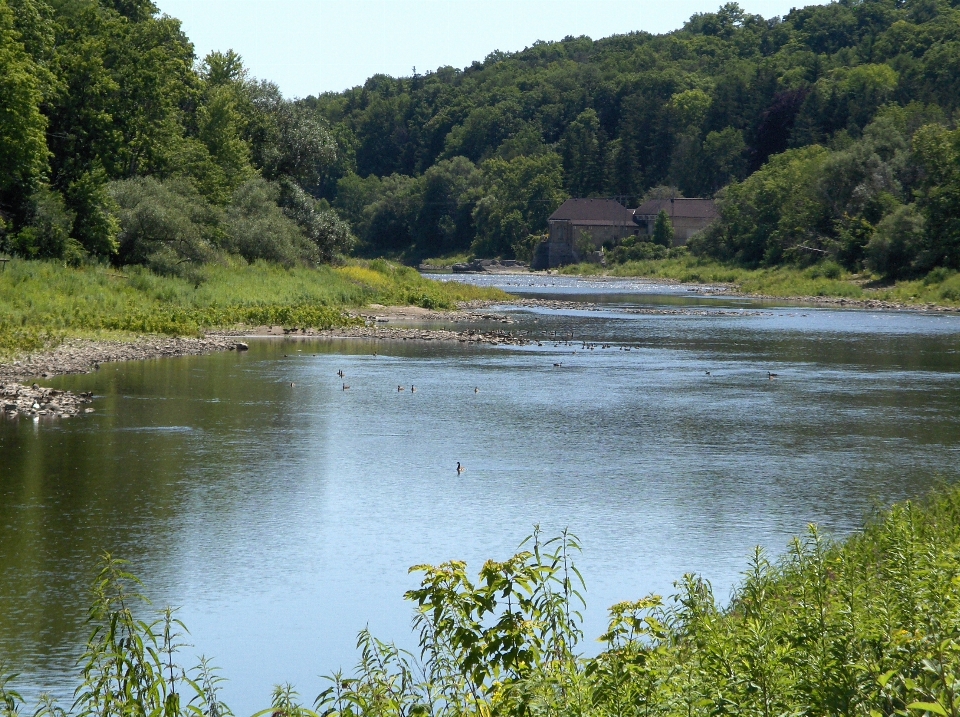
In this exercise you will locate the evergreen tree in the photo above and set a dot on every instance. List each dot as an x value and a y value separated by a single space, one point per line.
663 229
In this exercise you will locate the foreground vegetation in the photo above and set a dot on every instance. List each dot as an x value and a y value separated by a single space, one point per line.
42 302
826 279
869 626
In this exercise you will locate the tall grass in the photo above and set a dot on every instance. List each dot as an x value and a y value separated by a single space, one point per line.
42 302
828 279
869 626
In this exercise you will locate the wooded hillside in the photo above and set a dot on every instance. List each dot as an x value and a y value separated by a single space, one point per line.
826 134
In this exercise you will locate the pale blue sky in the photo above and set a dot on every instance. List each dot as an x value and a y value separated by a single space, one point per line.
313 46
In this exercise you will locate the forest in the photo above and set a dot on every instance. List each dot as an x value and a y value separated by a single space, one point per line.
827 134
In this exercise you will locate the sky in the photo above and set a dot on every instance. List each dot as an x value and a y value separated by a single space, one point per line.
313 46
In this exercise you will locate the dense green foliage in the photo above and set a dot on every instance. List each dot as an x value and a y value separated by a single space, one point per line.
865 627
826 134
42 302
116 144
697 109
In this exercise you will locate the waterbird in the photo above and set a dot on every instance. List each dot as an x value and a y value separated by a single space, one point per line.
771 376
460 468
413 389
292 384
558 364
345 387
399 388
707 373
476 390
340 373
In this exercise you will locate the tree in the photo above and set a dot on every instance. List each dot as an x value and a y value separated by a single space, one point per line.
518 196
583 155
938 152
23 146
663 229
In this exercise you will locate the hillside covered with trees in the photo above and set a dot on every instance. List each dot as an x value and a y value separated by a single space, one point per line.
826 134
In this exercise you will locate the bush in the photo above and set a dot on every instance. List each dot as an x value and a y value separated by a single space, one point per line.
825 270
321 224
637 251
257 228
895 251
96 226
166 226
47 233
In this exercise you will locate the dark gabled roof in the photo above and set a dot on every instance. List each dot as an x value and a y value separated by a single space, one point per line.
688 208
594 212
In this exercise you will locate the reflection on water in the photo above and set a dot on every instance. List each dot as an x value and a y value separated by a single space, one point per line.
282 518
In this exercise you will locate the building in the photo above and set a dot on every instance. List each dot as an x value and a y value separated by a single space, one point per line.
688 216
603 221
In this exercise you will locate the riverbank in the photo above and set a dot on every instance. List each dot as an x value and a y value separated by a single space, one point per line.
826 284
20 396
43 303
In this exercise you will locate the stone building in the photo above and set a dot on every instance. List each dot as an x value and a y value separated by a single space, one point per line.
688 216
603 221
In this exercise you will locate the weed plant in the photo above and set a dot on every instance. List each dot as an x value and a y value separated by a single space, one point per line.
869 627
42 302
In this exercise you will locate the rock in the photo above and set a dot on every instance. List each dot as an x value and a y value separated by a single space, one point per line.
88 410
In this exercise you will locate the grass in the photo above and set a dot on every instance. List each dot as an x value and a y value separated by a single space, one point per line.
866 627
42 303
826 280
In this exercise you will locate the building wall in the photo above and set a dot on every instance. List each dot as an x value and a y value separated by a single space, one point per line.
683 228
559 249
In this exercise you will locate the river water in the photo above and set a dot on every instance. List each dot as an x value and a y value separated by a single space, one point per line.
281 519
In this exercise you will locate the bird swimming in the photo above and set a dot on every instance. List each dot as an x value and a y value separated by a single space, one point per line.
460 468
413 389
399 388
771 376
476 390
345 387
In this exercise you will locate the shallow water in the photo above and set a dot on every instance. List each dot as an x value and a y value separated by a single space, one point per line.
282 519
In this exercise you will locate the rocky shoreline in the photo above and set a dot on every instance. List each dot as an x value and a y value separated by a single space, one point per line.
84 356
20 397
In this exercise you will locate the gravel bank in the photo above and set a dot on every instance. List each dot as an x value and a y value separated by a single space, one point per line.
83 356
19 396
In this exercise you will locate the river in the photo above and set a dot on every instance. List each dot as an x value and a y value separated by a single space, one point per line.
280 512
